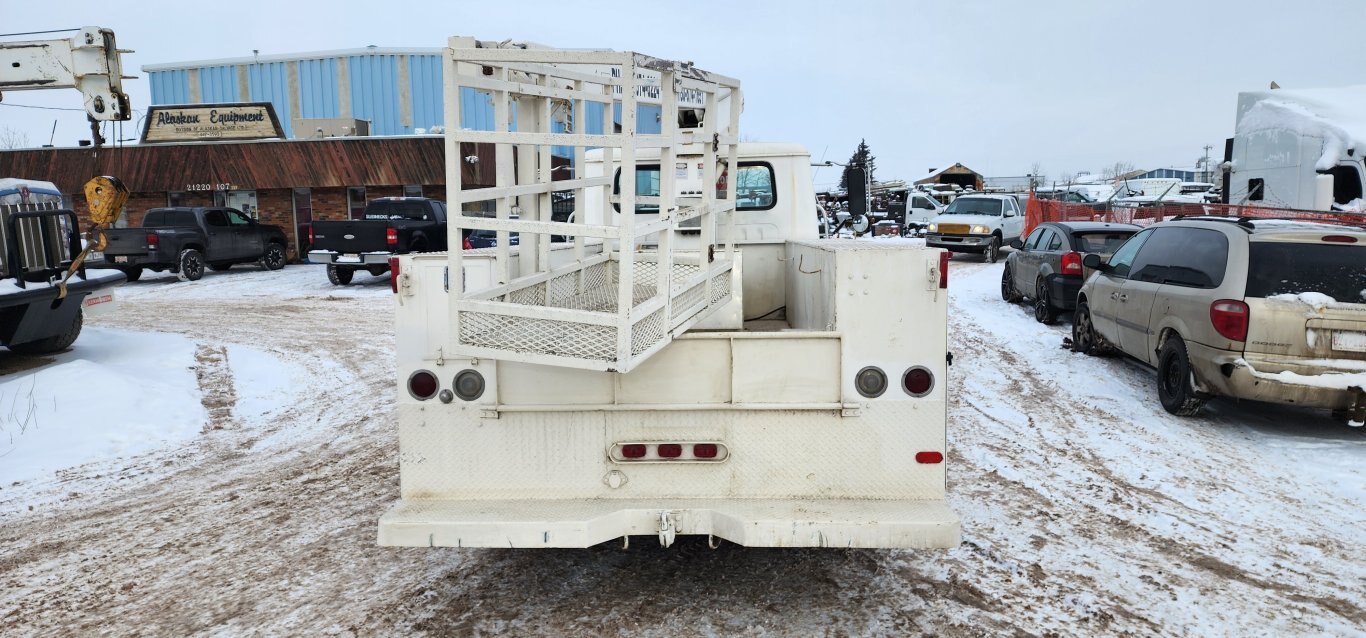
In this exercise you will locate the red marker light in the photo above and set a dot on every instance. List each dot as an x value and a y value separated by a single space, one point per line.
929 458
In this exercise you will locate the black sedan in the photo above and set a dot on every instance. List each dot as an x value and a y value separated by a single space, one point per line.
1046 266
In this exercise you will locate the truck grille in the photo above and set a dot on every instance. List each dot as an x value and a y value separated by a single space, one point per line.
953 229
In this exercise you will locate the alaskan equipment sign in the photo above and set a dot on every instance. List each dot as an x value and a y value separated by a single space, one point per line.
206 122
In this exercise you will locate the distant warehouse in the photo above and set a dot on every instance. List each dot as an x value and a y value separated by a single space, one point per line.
293 138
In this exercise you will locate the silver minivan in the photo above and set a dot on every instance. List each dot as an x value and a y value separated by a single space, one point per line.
1268 310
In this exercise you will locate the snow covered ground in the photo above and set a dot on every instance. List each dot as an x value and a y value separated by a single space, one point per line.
248 504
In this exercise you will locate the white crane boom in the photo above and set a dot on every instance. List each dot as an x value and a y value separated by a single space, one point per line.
87 62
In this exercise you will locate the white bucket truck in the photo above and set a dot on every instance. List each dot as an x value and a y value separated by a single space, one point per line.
1299 149
704 366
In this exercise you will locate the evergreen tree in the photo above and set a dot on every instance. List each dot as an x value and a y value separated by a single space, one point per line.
862 157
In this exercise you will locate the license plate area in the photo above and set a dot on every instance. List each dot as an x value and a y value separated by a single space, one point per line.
120 259
349 258
1349 341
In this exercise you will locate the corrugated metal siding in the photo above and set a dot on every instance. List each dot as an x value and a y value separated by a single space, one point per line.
424 80
269 82
319 94
335 162
219 84
374 92
476 110
170 87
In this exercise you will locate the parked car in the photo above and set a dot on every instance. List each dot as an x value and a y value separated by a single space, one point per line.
185 240
389 226
977 224
1046 266
1268 310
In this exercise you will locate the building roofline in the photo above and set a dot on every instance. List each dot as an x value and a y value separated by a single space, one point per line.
291 57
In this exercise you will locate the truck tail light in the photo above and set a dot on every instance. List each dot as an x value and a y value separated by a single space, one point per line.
918 381
944 269
422 385
931 457
393 274
153 240
633 451
1230 318
1340 239
391 236
1071 263
310 235
704 450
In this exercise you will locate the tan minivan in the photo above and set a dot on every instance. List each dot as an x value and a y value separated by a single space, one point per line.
1268 310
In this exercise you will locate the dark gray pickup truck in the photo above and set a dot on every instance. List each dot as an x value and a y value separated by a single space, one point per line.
185 240
390 226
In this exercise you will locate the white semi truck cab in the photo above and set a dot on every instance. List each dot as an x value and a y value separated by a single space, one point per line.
1301 149
701 365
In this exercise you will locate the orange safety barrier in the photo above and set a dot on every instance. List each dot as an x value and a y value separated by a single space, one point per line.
1038 211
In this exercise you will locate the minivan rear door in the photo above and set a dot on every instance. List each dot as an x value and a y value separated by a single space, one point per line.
1306 294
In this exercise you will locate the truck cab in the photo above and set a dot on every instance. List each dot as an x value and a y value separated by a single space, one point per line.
1300 149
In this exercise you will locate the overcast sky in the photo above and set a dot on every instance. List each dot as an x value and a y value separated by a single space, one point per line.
995 84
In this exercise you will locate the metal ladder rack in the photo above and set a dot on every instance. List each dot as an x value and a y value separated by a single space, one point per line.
629 285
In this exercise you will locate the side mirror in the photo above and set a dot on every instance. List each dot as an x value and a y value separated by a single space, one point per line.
1017 244
1093 261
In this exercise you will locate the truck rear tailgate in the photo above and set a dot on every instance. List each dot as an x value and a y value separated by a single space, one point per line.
126 241
351 236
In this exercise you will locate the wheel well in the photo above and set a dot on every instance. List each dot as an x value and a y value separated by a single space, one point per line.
193 247
1162 339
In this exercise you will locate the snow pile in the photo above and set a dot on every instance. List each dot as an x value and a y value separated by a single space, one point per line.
1316 300
1331 380
116 394
1335 115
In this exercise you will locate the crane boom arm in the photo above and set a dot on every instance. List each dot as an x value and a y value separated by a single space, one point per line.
88 62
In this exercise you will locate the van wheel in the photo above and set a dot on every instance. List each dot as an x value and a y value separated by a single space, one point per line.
994 249
1008 292
191 265
1044 312
1174 387
1085 339
338 275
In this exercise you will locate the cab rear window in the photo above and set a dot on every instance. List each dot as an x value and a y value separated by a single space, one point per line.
1280 268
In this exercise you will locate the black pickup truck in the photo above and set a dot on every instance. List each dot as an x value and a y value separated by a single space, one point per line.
390 226
37 246
185 240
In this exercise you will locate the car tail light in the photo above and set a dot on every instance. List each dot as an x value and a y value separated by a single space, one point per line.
704 450
391 236
929 457
393 274
1071 263
633 451
944 269
153 240
1340 239
1230 318
422 385
467 245
918 381
670 450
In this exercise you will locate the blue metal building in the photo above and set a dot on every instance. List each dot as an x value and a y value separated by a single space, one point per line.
397 90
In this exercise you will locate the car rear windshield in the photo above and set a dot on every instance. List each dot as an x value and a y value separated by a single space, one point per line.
1101 242
419 211
1278 268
